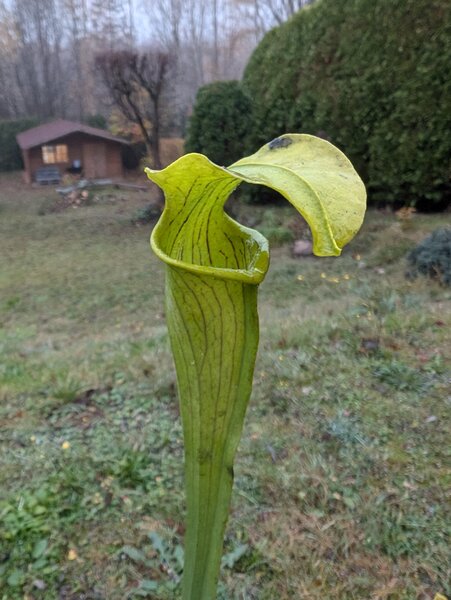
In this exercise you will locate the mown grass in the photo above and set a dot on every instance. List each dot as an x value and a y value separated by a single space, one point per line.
342 477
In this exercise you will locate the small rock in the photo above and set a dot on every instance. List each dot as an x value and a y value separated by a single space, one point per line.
272 452
39 584
431 419
302 248
369 345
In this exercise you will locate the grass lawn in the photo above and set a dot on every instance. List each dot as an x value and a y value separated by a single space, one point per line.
343 473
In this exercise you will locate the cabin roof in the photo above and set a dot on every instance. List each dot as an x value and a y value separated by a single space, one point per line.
42 134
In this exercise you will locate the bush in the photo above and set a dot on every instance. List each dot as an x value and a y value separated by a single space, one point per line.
132 154
374 77
10 154
432 257
146 214
273 227
220 122
96 120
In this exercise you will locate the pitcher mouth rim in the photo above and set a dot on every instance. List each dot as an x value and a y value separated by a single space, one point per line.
253 275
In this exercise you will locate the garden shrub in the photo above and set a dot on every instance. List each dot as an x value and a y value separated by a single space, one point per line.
432 257
220 122
96 120
10 154
146 214
132 154
274 229
373 77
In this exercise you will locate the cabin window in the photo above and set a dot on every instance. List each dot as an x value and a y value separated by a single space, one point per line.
55 154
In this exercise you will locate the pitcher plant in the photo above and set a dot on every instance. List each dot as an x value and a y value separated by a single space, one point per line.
214 266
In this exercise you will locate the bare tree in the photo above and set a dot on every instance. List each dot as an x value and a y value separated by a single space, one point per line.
281 10
137 82
167 21
39 73
77 30
265 14
8 50
112 23
209 40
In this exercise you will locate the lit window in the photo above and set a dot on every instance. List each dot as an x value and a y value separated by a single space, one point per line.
55 154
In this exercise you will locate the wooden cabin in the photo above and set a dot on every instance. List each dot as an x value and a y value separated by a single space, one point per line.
71 147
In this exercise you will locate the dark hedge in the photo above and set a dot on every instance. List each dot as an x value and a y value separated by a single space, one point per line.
373 77
10 154
220 122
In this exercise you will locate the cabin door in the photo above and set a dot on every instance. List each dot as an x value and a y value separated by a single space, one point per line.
94 161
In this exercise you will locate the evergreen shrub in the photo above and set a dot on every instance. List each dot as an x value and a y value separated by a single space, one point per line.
96 120
373 77
220 122
10 154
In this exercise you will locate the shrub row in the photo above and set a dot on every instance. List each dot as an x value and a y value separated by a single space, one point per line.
372 76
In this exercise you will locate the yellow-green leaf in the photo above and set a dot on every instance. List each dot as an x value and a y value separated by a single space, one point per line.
318 180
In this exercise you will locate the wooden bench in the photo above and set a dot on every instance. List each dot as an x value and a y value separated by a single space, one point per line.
47 175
